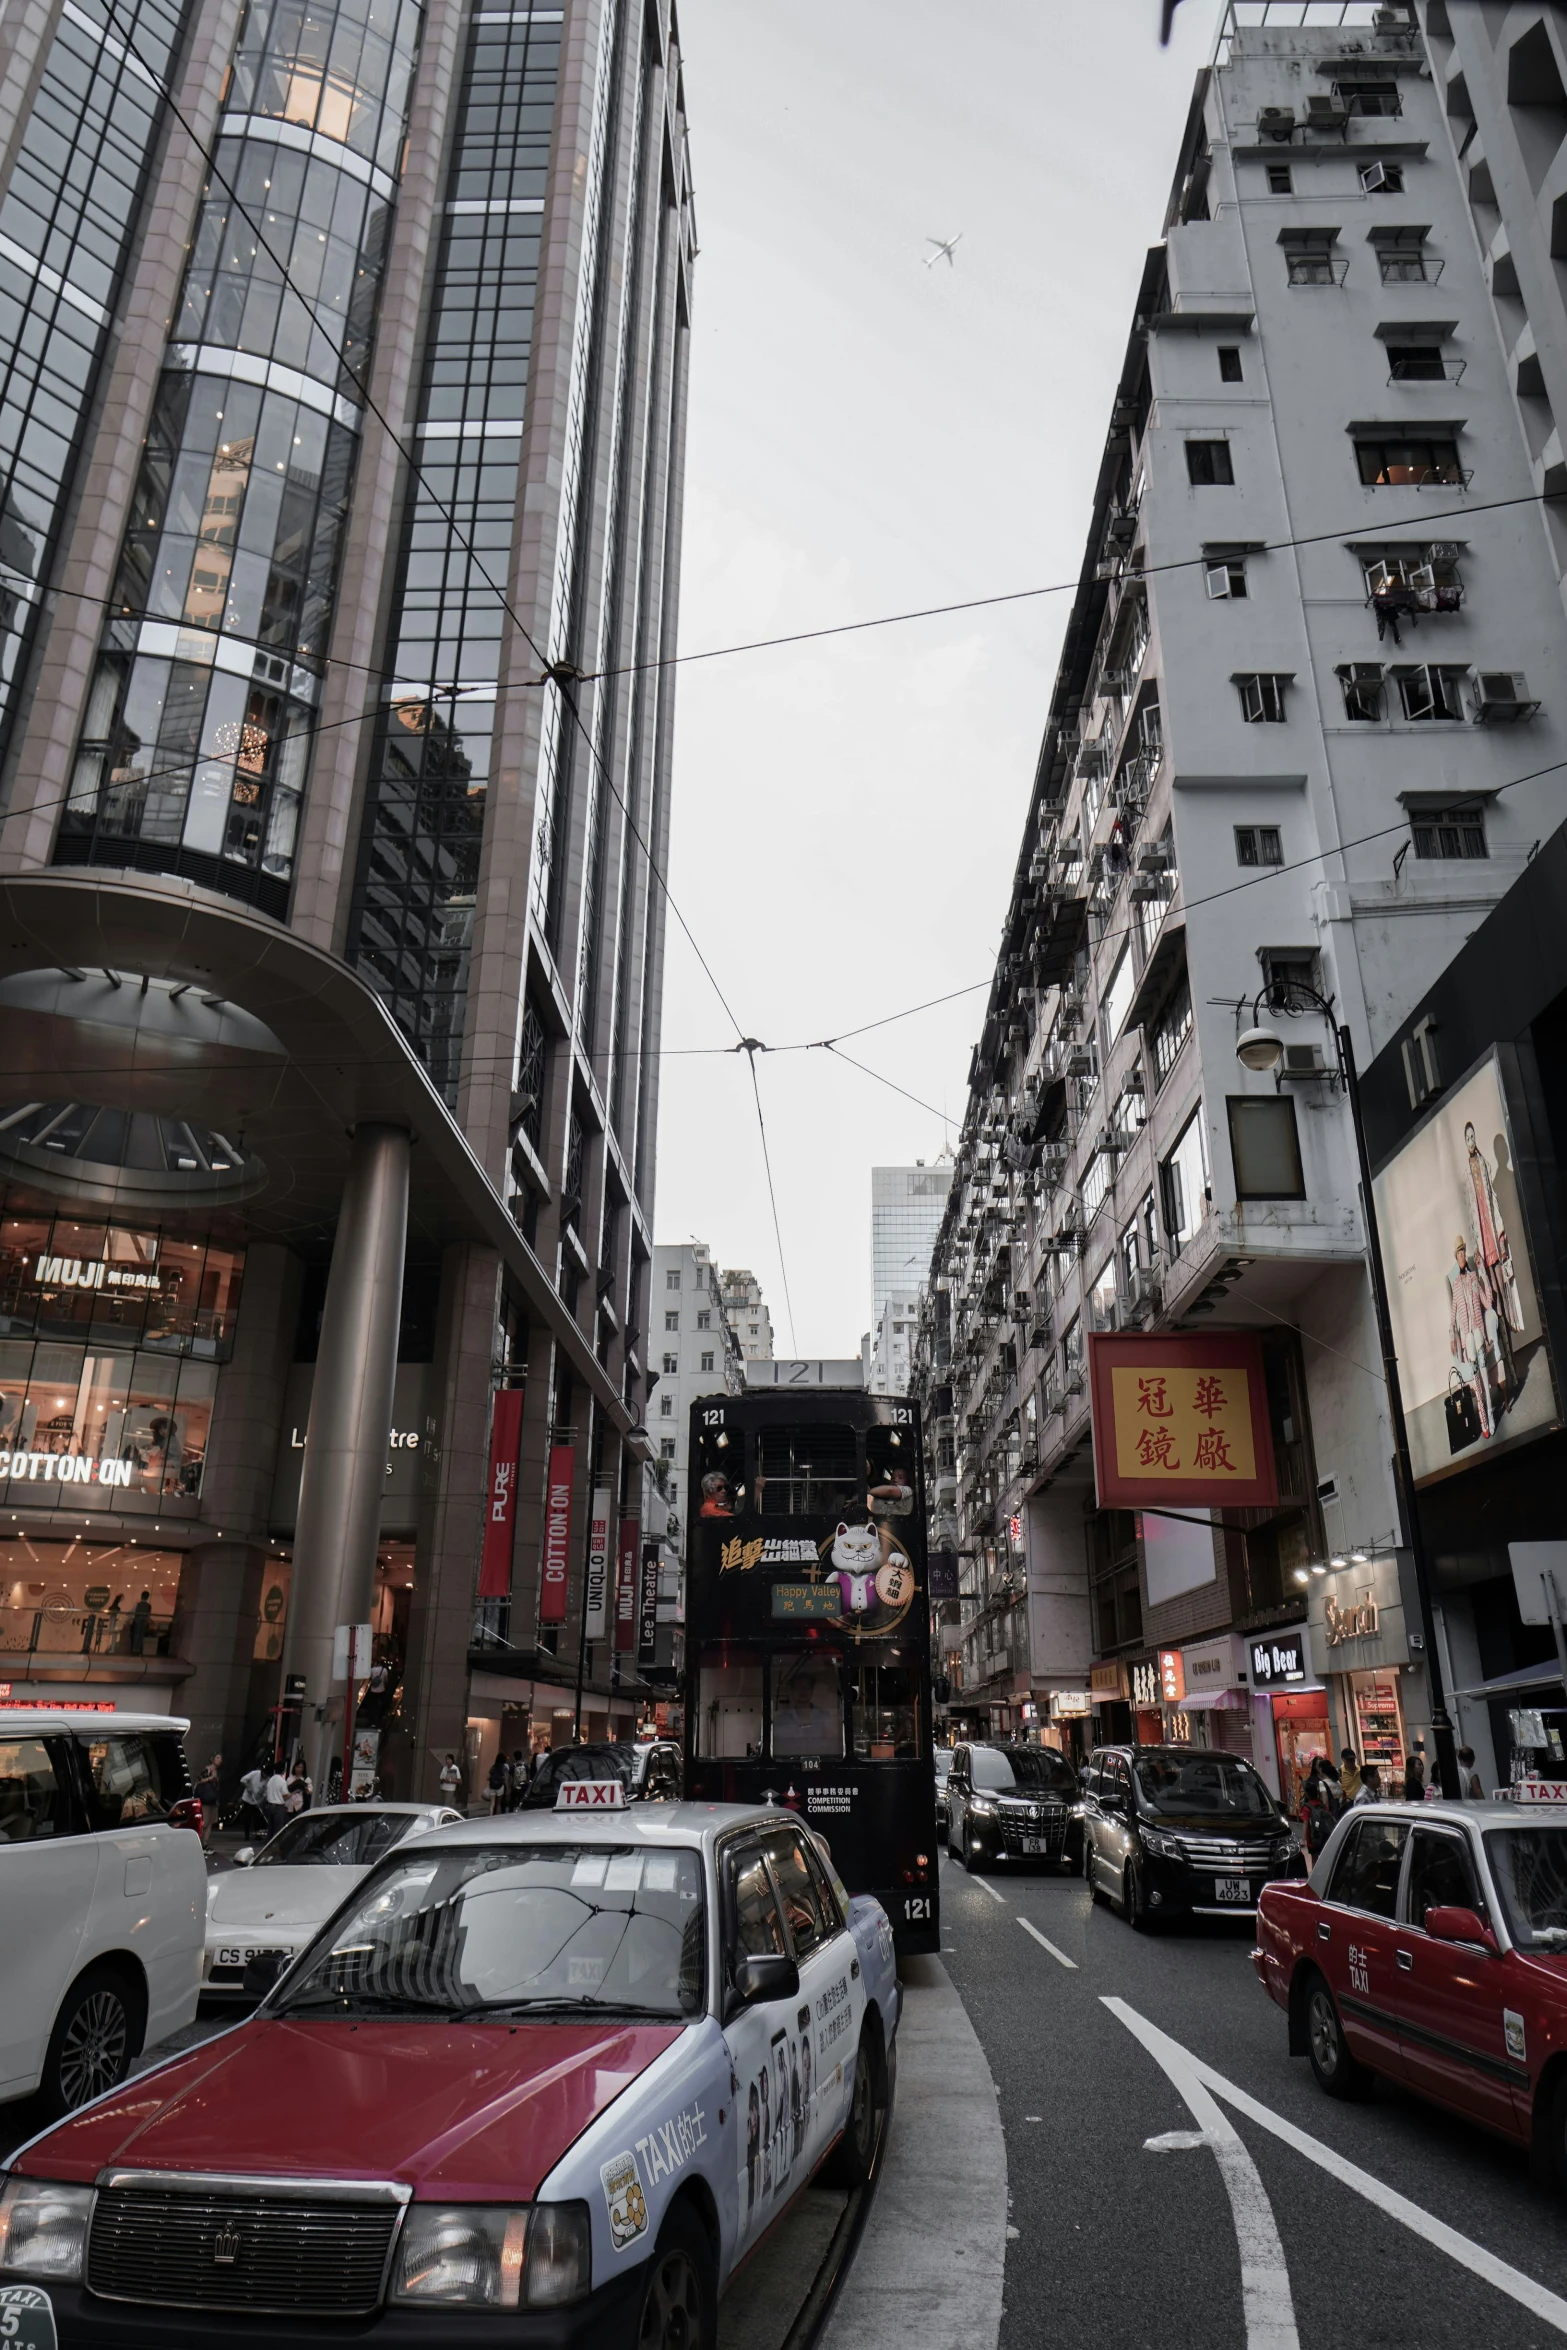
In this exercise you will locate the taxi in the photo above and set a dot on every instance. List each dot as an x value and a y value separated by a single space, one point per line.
549 2076
1430 1945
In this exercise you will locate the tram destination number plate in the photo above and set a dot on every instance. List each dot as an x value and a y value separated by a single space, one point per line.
1236 1889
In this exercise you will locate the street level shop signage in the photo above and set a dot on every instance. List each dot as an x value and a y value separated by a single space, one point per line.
1279 1659
94 1273
1172 1680
1180 1421
596 1600
1355 1621
1107 1680
555 1567
1145 1685
647 1608
65 1468
500 1516
628 1550
942 1569
1210 1664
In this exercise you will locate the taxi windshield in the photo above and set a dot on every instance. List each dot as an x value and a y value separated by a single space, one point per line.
515 1930
335 1839
1207 1786
1530 1868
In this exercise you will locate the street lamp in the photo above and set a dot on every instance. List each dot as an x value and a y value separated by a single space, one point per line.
1261 1049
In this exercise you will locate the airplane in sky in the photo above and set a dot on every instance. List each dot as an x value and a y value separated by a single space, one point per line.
943 250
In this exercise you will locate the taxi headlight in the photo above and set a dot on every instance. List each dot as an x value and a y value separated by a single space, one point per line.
43 2229
491 2256
560 2259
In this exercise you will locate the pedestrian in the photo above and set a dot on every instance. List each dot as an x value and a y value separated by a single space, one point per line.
206 1793
451 1779
1415 1774
252 1818
274 1800
299 1788
1469 1786
1349 1775
496 1783
519 1776
1370 1785
141 1623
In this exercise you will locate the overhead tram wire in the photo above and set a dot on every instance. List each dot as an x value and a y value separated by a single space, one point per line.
750 1047
552 672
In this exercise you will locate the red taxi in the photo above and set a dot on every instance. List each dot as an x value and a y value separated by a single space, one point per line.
1430 1945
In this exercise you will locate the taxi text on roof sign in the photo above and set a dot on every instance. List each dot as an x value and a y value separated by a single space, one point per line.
591 1795
1180 1421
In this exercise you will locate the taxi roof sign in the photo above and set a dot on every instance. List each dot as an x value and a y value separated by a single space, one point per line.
591 1795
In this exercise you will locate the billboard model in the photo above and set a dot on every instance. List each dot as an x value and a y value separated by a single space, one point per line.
1472 1359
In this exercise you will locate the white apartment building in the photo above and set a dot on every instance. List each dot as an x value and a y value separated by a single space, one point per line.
693 1349
1314 659
748 1315
892 1343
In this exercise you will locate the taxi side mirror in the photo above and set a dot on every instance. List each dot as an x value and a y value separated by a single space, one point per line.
765 1975
245 1855
262 1971
1451 1924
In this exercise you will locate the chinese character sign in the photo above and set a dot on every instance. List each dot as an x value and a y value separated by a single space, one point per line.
500 1515
554 1568
1180 1421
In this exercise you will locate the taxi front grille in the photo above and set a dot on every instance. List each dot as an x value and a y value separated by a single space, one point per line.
198 2248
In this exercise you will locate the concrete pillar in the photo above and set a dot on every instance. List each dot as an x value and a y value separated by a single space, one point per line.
344 1473
215 1631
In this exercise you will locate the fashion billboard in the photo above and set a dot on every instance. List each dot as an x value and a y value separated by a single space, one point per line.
1180 1421
1472 1359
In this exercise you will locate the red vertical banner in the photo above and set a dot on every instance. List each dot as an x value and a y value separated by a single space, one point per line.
626 1585
555 1567
500 1517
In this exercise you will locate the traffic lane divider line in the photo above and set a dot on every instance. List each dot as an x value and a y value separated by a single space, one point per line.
983 1883
1489 2266
1265 2284
1045 1943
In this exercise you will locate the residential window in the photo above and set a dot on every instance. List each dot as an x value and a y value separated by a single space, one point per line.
666 1450
1402 256
1420 579
1281 180
1258 844
1230 364
1208 464
1262 696
1454 830
666 1405
1174 1026
1224 577
1185 1174
1265 1147
1096 1179
671 1365
1430 692
1400 464
1118 996
704 1319
671 1321
1362 684
1416 363
1382 179
1129 1251
707 1362
1148 1219
1291 975
1370 97
672 1278
1309 257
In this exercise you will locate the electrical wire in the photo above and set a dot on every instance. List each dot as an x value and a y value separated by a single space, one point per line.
827 1046
750 1049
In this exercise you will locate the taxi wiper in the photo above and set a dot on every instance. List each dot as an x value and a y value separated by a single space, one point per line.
389 2002
559 2003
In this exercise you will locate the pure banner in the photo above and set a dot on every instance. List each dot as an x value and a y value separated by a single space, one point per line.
500 1517
555 1568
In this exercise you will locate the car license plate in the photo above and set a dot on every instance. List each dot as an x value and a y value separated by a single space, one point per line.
1035 1844
1232 1889
243 1957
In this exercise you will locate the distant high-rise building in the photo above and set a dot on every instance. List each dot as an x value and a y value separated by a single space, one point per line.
748 1315
343 353
907 1205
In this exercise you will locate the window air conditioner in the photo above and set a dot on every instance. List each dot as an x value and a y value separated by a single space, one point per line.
1144 1288
1503 694
1304 1060
1156 856
1275 122
1325 113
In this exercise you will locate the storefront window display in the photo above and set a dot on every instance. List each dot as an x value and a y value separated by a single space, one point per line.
60 1277
66 1599
1301 1731
72 1417
1379 1720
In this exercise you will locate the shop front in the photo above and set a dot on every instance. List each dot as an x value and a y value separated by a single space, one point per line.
1214 1699
1147 1702
1360 1646
1289 1710
1109 1690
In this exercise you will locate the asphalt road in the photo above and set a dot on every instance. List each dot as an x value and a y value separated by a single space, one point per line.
1127 2246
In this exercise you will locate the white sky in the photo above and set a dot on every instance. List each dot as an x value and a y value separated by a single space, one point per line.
867 435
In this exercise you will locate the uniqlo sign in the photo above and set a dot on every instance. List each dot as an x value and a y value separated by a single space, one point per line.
500 1517
555 1569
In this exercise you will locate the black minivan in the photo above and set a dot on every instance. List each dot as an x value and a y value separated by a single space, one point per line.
1011 1803
1180 1831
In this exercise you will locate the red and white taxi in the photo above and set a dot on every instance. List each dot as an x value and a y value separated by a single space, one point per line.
541 2080
1430 1945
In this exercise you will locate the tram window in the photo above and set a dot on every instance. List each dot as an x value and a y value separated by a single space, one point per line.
889 1471
729 1707
811 1471
807 1704
886 1713
718 1472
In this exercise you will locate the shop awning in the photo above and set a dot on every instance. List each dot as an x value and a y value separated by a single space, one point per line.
1520 1684
1211 1701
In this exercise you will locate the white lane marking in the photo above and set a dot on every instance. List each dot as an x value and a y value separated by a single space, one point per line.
986 1886
1174 2142
1535 2298
1265 2283
1045 1943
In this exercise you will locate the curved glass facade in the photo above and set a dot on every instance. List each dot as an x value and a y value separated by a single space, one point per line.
196 740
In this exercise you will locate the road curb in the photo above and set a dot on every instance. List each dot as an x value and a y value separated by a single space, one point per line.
930 2266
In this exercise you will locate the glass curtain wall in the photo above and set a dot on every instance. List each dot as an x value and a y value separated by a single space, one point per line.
419 860
65 222
196 742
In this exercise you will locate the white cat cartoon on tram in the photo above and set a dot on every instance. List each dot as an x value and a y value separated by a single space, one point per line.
870 1568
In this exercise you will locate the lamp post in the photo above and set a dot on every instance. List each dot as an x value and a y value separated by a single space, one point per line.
1262 1048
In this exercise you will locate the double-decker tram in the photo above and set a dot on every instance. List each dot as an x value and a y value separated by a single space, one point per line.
807 1676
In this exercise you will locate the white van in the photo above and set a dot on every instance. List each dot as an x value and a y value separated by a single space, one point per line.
103 1897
